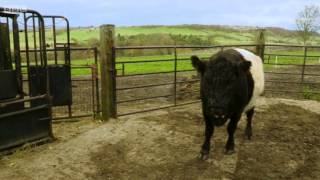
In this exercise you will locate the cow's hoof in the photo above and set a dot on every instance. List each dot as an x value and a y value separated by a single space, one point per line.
230 151
203 157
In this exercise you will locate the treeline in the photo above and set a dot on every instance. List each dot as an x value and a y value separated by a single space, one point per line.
155 40
159 40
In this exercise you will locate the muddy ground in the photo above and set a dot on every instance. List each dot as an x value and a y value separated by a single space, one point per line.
164 145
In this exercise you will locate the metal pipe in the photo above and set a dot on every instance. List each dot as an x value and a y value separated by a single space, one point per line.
175 77
97 78
146 98
22 100
34 38
9 43
160 108
54 40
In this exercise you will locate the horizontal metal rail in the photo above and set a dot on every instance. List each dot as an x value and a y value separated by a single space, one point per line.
183 47
145 61
155 85
289 55
159 108
24 111
296 74
60 49
292 82
158 60
146 98
4 104
153 97
281 64
212 46
287 91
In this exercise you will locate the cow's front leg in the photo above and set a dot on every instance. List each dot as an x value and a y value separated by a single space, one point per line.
209 129
232 126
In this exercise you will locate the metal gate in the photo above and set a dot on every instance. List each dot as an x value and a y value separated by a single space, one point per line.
148 83
24 117
72 96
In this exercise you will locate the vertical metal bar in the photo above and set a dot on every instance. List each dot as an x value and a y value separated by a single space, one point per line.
9 44
41 42
70 79
1 53
16 44
27 46
43 53
54 40
34 39
92 89
305 49
68 42
114 77
175 76
97 78
122 69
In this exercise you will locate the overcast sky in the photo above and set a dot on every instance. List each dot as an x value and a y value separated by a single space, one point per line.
281 13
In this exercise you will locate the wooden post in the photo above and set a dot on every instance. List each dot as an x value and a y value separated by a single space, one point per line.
305 51
260 41
108 72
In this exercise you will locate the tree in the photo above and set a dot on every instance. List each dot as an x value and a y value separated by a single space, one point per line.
308 22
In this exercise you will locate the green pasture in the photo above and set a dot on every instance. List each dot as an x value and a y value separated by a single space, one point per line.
136 64
221 35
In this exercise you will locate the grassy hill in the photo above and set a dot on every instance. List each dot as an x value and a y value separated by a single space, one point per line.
220 34
179 34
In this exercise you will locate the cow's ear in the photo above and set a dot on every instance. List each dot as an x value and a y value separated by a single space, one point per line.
199 65
245 65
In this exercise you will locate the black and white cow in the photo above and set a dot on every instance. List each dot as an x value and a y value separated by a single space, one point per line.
231 81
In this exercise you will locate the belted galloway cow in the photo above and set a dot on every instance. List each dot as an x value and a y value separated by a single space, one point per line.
231 82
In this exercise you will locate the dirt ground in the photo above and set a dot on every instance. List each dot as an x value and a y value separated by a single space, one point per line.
164 145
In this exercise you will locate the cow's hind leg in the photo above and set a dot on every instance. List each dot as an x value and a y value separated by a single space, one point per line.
232 126
248 131
204 153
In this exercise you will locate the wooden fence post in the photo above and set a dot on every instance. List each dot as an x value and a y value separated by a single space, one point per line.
108 72
260 41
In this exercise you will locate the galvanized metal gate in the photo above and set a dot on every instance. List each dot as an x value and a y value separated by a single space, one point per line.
291 71
72 96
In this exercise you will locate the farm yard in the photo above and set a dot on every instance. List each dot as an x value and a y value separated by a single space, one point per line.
118 108
165 144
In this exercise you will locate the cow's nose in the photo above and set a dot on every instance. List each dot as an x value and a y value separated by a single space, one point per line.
222 116
218 113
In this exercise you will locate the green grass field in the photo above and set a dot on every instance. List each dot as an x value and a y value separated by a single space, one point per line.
133 66
221 34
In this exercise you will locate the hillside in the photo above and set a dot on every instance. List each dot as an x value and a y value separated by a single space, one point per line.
217 34
179 34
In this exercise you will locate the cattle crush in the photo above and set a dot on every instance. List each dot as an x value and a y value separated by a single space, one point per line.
38 87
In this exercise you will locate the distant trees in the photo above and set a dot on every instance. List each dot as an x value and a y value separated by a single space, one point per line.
160 40
308 22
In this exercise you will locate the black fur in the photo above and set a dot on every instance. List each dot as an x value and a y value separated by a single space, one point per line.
226 88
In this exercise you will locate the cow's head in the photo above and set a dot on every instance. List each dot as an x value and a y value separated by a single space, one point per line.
222 77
